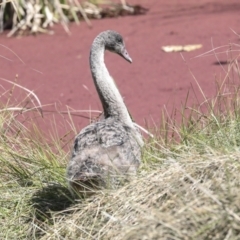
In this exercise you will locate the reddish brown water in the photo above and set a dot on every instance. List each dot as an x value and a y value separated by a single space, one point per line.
154 80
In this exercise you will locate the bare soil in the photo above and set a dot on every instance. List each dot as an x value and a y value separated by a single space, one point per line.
56 66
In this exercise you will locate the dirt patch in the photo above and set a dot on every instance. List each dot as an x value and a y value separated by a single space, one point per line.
56 67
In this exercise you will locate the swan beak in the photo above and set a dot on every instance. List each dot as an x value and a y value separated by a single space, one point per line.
125 55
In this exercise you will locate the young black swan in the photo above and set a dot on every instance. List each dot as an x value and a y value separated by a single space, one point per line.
109 150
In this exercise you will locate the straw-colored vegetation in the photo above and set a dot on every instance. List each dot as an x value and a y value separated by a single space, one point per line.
34 16
187 187
37 16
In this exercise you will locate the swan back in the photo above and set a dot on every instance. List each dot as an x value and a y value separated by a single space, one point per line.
107 151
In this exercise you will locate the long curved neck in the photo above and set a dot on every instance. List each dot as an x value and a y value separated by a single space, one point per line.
110 97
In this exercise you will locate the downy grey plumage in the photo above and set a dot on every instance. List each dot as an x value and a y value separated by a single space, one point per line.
107 151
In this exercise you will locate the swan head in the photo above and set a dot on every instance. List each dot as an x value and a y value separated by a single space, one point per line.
114 43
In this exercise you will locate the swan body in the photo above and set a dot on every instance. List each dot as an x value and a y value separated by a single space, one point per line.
107 151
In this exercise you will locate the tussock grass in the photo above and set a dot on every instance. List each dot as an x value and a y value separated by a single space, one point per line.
35 16
187 187
32 169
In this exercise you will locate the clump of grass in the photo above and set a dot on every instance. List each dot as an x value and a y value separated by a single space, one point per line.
35 16
187 187
32 167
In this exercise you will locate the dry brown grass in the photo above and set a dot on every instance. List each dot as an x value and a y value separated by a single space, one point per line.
191 197
35 16
187 186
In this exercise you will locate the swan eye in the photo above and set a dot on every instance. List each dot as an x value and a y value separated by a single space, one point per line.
119 40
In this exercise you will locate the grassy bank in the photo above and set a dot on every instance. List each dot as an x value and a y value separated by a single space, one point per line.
187 187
